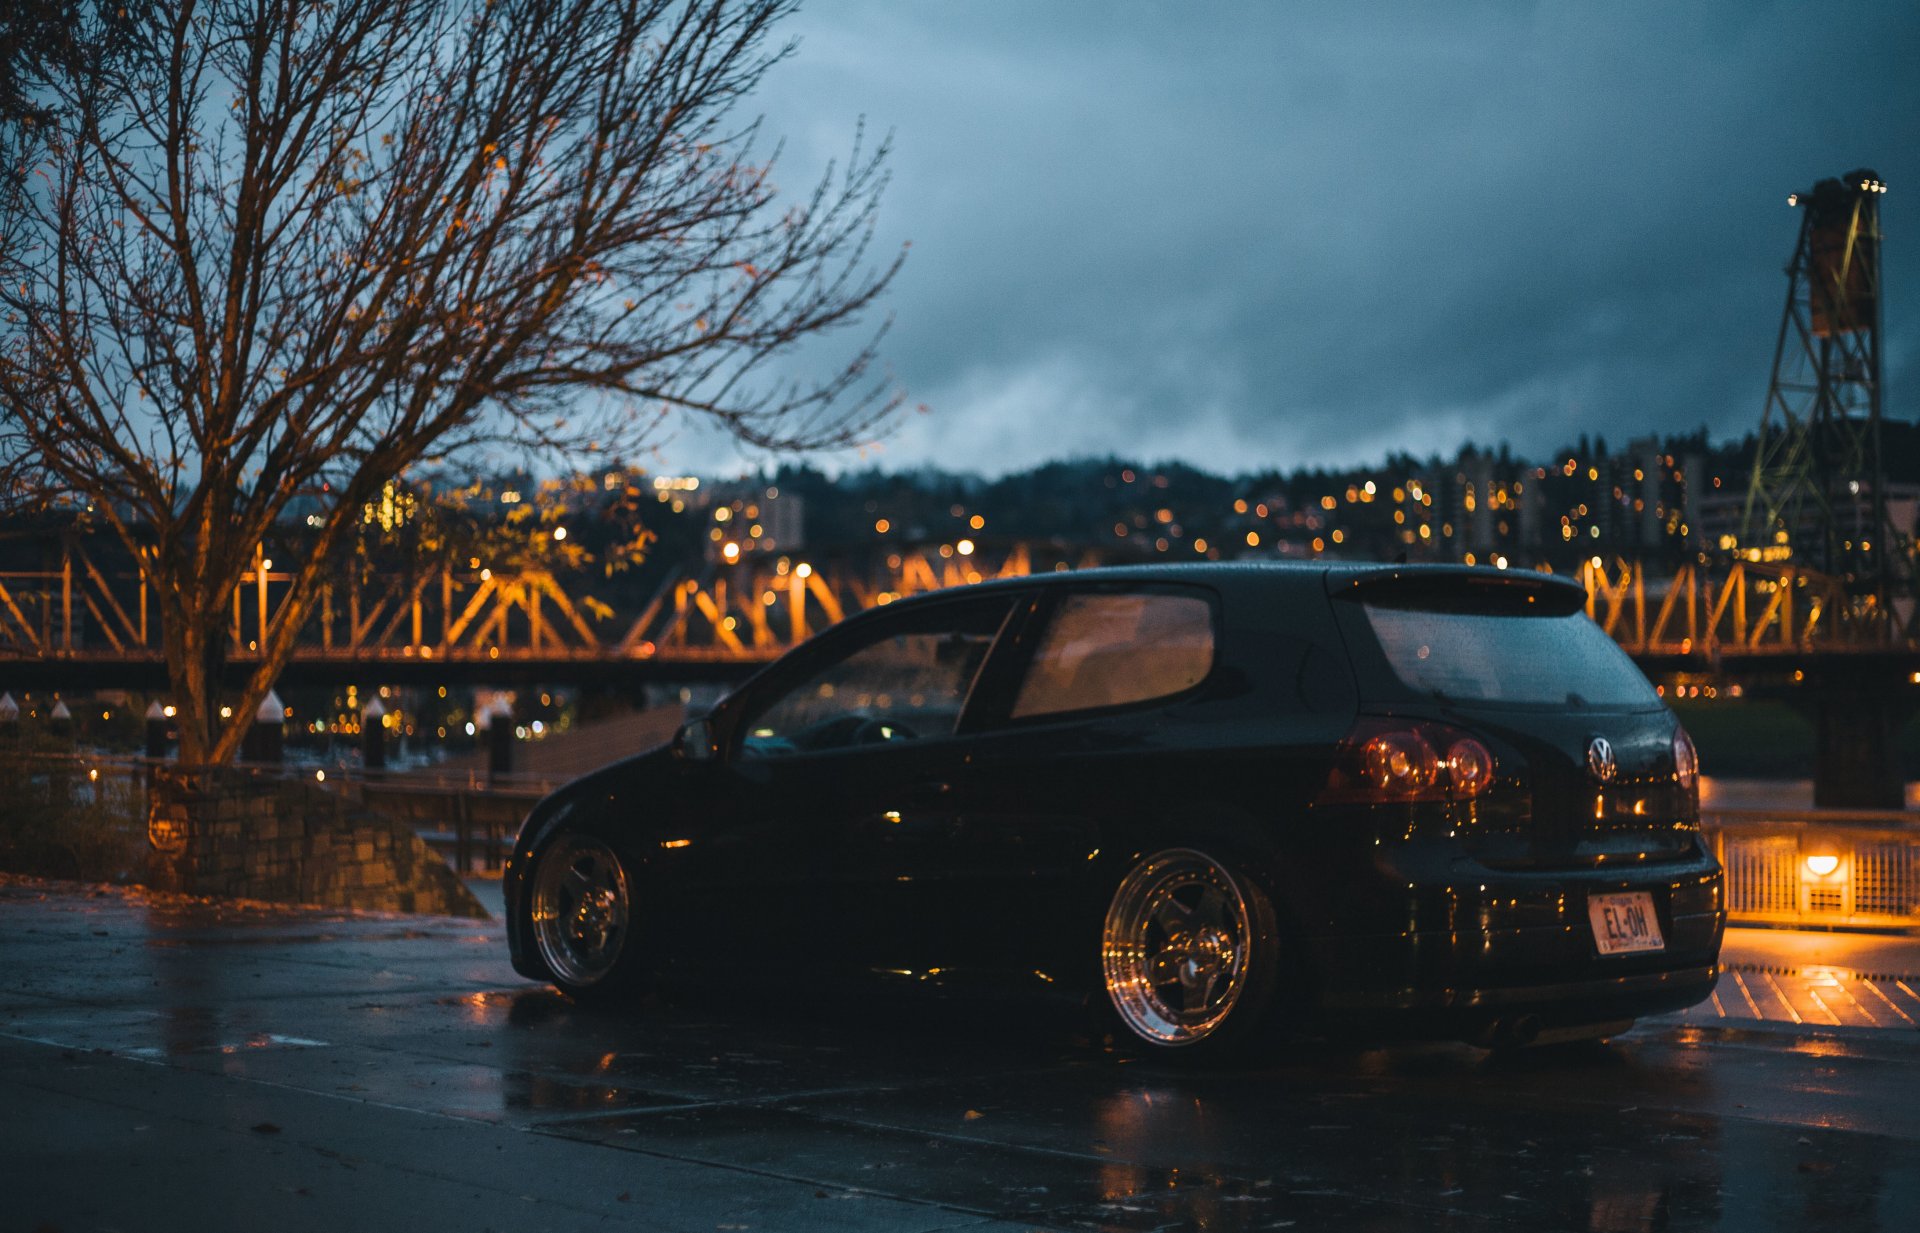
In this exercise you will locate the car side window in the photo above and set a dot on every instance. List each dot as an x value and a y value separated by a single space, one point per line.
910 682
1109 649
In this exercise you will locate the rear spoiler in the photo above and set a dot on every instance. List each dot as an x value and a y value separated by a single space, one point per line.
1460 588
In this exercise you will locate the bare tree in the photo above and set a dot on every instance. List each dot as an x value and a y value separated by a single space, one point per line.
38 38
288 248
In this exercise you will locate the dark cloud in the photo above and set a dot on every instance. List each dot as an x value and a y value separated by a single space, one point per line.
1274 235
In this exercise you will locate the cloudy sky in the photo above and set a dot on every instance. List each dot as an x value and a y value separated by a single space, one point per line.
1277 234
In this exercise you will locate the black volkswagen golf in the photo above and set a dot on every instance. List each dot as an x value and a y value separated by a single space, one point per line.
1216 798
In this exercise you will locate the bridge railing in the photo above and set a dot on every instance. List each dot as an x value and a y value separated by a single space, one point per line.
1819 867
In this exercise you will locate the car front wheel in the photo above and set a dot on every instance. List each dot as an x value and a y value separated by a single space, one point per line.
1189 951
581 915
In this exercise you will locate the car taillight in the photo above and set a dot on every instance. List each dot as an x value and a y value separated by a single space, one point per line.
1408 760
1401 763
1686 761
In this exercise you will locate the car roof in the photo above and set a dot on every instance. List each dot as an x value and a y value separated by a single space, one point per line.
1335 576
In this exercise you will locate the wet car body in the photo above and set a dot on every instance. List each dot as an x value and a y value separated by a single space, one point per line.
985 855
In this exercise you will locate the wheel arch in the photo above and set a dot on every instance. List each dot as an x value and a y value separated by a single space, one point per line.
1253 845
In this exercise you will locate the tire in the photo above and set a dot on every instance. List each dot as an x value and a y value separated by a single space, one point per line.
1189 952
580 915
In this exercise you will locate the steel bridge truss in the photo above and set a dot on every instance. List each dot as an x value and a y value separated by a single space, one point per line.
748 611
753 610
1742 608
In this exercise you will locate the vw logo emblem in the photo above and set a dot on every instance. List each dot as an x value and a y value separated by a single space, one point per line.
1600 759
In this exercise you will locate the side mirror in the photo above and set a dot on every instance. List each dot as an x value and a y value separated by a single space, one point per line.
694 741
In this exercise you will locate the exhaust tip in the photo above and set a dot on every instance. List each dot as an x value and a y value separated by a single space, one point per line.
1515 1032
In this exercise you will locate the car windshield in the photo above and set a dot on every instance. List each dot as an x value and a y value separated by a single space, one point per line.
1523 660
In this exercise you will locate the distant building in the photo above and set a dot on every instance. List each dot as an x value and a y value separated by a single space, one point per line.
749 517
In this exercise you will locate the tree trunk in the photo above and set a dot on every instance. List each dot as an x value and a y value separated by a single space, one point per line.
194 664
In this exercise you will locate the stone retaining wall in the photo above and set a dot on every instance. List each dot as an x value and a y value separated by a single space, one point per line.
242 835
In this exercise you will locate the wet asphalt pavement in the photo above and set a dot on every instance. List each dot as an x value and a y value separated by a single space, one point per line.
171 1065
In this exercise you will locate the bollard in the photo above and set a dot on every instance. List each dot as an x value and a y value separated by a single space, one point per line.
373 735
266 738
60 771
497 719
156 732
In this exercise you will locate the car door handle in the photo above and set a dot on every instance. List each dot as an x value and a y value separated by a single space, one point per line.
930 791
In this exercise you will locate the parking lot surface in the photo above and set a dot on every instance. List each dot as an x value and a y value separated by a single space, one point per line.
168 1064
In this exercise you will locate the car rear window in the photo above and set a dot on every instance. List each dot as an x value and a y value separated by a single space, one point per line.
1112 649
1525 660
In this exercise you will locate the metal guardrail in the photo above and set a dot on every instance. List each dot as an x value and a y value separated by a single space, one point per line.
466 816
464 824
1819 867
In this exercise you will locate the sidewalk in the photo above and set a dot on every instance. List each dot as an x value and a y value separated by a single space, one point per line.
1815 979
486 888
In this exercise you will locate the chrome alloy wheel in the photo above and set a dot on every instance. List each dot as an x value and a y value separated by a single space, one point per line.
580 909
1176 947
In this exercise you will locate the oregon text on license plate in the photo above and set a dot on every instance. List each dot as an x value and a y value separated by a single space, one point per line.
1623 924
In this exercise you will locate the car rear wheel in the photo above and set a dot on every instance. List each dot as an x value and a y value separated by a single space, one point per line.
1189 951
581 915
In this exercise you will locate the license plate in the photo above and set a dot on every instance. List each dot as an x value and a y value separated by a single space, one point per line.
1624 924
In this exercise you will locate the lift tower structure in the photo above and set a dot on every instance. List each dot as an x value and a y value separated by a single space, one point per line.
1818 494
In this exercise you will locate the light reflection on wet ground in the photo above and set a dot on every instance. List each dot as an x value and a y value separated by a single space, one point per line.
960 1117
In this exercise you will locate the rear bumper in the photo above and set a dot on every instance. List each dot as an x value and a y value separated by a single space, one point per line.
1590 993
1524 945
